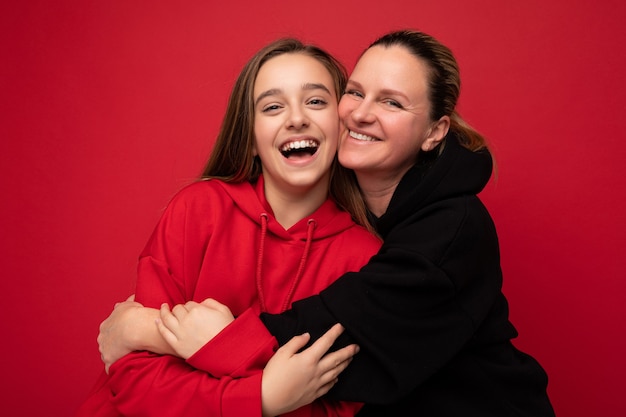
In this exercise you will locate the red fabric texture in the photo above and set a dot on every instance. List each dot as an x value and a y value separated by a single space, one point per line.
210 243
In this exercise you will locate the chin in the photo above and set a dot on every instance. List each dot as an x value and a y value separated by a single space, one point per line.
350 162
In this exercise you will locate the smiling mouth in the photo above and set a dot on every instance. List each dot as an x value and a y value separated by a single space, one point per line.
299 148
360 136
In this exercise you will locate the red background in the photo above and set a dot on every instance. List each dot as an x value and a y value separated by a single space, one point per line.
109 107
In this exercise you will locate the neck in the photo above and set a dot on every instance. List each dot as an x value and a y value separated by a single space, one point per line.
291 206
377 191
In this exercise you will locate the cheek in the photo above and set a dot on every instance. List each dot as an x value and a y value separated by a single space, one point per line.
255 145
329 123
345 107
262 138
335 127
263 132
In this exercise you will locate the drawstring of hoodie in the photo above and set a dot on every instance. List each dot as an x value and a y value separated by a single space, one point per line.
305 254
259 262
299 273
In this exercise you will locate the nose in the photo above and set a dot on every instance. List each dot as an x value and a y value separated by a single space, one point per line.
362 112
297 118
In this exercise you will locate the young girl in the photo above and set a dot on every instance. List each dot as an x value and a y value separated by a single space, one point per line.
258 233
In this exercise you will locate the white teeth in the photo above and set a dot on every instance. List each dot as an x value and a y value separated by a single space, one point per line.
361 136
299 144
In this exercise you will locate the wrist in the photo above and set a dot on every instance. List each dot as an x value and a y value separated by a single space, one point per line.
140 330
268 409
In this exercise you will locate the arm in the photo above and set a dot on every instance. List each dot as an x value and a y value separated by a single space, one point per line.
130 327
412 307
146 384
290 379
133 327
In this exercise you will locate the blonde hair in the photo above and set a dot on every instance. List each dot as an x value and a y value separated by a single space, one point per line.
444 80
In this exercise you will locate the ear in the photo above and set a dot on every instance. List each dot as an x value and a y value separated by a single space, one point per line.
438 131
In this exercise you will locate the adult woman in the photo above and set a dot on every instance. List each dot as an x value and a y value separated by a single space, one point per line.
427 311
252 235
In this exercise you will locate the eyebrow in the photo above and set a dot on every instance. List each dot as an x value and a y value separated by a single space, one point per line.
384 91
315 86
305 86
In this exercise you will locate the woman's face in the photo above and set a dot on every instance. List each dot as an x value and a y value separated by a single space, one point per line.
296 126
386 111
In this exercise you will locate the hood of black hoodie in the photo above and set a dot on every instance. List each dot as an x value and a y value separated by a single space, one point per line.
455 173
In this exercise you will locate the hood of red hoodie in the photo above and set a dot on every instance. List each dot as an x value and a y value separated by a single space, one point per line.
326 222
250 199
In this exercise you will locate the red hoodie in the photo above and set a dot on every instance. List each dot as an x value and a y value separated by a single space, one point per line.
221 240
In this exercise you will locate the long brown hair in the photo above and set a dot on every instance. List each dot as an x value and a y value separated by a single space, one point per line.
444 80
232 158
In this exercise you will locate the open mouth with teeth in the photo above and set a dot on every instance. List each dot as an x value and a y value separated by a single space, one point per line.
362 137
299 148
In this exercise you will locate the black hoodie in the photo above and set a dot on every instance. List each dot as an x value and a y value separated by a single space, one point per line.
428 311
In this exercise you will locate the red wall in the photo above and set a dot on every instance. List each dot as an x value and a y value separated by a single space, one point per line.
108 107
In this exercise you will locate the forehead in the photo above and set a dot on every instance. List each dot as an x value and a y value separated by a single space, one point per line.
291 70
392 67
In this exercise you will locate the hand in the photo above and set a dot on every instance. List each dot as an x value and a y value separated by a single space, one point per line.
116 335
190 326
291 379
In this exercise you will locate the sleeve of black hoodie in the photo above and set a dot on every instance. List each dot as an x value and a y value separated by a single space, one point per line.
413 306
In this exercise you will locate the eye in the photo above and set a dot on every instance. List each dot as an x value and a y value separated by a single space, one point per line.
354 93
393 103
317 102
271 108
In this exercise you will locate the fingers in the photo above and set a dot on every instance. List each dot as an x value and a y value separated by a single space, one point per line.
323 390
334 366
166 333
179 310
333 359
334 363
329 378
321 345
169 318
295 344
216 305
340 360
130 299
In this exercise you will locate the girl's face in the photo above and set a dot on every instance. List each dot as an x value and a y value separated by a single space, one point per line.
387 113
296 126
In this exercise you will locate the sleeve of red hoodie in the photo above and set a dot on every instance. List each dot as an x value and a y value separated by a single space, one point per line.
146 384
243 349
